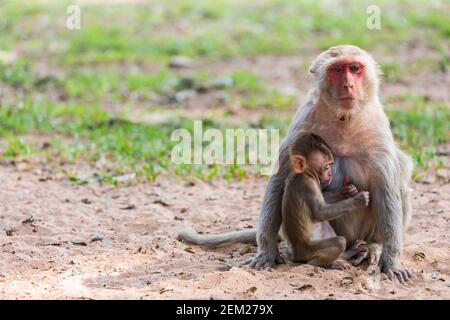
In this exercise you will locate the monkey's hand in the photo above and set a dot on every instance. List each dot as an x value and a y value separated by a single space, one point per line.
362 198
392 268
265 260
348 191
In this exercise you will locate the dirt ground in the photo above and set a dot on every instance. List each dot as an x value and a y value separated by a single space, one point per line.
46 251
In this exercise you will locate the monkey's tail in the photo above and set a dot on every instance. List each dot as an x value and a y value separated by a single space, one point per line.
217 240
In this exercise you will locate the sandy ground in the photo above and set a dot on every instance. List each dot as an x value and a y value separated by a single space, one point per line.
46 252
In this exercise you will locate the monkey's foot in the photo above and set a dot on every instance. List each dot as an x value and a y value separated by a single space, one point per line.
394 270
338 265
361 251
359 258
264 260
403 275
357 248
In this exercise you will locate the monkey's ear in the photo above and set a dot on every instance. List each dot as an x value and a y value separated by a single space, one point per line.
298 164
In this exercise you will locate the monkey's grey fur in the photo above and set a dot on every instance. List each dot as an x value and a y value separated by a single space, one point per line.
216 241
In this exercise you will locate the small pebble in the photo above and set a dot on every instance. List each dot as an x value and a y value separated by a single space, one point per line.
96 237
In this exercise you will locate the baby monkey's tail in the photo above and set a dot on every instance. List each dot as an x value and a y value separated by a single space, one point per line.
217 240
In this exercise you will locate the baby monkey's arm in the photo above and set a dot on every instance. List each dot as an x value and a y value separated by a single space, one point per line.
323 211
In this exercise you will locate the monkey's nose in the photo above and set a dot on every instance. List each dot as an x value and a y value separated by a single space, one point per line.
348 85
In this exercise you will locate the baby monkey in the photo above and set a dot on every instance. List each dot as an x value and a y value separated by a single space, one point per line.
305 213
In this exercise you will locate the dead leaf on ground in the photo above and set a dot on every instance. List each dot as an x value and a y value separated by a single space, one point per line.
86 201
305 287
162 290
245 250
162 202
189 249
30 221
10 231
346 281
252 289
24 166
419 255
157 271
79 243
128 207
53 244
359 287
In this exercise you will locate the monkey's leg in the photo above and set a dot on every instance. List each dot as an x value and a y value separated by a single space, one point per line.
406 168
358 247
388 208
372 254
326 251
359 258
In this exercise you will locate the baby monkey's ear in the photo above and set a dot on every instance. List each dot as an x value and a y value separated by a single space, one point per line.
298 164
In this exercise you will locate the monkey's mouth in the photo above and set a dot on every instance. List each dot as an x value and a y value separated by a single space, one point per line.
326 182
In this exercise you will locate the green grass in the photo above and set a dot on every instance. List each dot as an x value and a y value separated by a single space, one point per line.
145 148
420 130
79 89
16 147
90 136
225 28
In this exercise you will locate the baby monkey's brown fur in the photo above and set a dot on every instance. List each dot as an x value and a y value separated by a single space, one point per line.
305 213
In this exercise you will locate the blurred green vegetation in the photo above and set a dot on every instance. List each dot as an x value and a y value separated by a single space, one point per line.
80 88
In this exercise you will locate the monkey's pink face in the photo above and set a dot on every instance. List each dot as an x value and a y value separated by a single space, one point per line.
346 82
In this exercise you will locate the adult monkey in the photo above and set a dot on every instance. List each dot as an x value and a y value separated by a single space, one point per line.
343 107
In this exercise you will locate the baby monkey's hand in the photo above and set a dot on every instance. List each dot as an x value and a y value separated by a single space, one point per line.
348 191
362 198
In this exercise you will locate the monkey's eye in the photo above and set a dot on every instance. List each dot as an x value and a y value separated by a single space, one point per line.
355 68
336 68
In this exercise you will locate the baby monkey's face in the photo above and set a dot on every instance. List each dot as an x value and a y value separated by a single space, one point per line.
321 164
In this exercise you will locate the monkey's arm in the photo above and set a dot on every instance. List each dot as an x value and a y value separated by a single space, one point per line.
323 211
270 218
332 196
387 204
269 226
